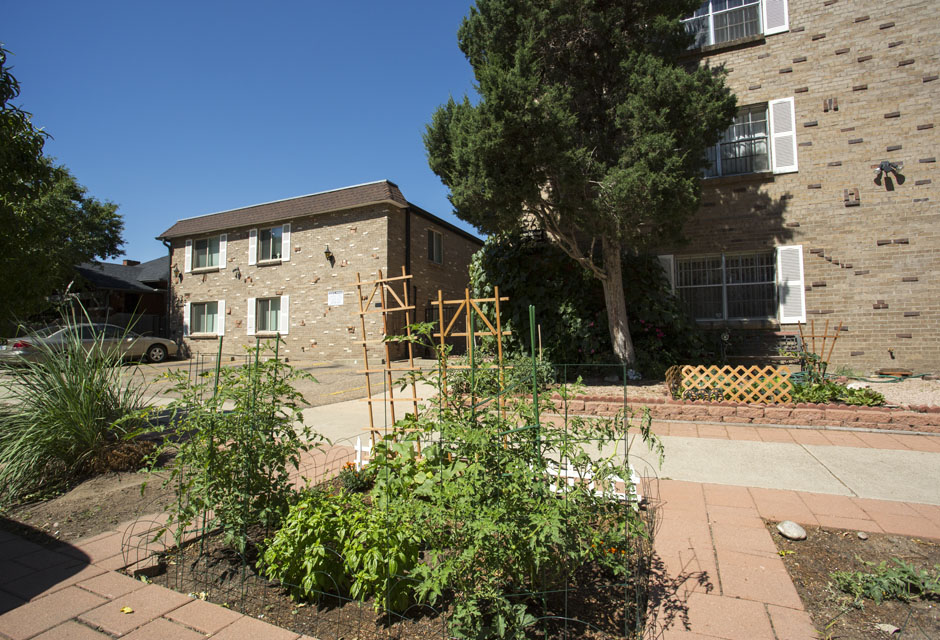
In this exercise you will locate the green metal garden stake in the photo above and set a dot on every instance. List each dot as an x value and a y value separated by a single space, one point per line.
535 382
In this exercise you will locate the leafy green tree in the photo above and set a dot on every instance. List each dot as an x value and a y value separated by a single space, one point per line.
49 223
591 125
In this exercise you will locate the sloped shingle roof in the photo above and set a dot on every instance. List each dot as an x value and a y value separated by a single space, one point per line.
119 277
271 212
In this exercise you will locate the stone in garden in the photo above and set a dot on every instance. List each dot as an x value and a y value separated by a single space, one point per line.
791 530
890 629
862 535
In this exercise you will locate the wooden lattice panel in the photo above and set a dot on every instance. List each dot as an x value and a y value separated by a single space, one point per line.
763 385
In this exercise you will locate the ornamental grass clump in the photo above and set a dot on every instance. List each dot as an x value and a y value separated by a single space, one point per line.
72 412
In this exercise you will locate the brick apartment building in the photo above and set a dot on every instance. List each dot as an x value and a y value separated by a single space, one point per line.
795 225
289 267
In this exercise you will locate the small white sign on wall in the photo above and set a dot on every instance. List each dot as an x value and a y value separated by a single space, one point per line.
334 298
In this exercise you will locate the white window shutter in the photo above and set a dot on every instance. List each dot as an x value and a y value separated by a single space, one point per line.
223 241
251 316
791 295
668 264
285 242
253 247
220 320
186 319
188 260
283 323
783 135
776 17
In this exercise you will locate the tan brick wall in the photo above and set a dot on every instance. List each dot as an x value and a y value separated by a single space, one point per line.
364 241
875 266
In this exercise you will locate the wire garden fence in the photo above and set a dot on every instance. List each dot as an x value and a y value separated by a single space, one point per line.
493 513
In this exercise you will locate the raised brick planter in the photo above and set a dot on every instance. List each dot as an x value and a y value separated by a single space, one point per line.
921 419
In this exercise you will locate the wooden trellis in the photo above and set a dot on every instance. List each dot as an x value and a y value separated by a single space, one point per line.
764 385
467 309
391 302
824 337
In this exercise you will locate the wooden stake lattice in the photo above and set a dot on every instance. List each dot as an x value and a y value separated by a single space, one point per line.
764 385
824 336
384 289
469 308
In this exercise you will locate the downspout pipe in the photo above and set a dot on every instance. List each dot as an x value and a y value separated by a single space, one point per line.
169 282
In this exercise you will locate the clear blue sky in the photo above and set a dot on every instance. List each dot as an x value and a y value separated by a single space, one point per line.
176 109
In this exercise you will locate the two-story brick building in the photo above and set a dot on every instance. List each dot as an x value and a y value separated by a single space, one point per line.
289 267
795 223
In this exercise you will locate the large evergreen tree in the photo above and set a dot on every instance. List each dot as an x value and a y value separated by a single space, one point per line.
592 123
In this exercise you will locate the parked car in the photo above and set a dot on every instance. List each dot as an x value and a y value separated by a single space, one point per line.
34 346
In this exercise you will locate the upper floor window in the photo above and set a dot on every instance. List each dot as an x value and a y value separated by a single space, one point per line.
435 247
719 21
269 244
743 147
206 253
761 138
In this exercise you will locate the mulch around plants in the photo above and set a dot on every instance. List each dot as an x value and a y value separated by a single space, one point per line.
834 614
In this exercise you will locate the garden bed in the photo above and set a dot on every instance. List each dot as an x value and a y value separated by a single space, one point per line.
606 400
810 563
209 570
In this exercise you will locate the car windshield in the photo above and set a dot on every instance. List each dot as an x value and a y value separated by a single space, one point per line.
45 332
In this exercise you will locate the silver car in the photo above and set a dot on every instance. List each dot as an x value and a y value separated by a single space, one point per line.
34 346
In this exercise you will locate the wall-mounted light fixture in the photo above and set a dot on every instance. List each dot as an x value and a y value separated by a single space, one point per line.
177 274
237 273
884 171
329 255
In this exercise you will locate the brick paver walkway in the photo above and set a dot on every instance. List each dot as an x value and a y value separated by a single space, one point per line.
718 572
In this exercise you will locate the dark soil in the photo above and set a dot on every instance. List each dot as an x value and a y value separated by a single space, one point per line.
94 506
209 570
834 613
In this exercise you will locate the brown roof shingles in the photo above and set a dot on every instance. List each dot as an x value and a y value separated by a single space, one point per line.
282 210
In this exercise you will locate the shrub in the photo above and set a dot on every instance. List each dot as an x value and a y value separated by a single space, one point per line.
75 411
235 464
517 374
337 544
828 391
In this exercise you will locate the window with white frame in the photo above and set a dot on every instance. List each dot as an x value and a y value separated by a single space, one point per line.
203 317
761 138
720 21
269 244
744 147
206 253
268 315
435 247
728 286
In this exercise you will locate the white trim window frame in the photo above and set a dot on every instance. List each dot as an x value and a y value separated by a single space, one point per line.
267 315
204 317
206 253
740 286
720 21
270 244
435 246
744 147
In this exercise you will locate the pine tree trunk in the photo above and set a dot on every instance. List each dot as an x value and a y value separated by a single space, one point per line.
617 305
